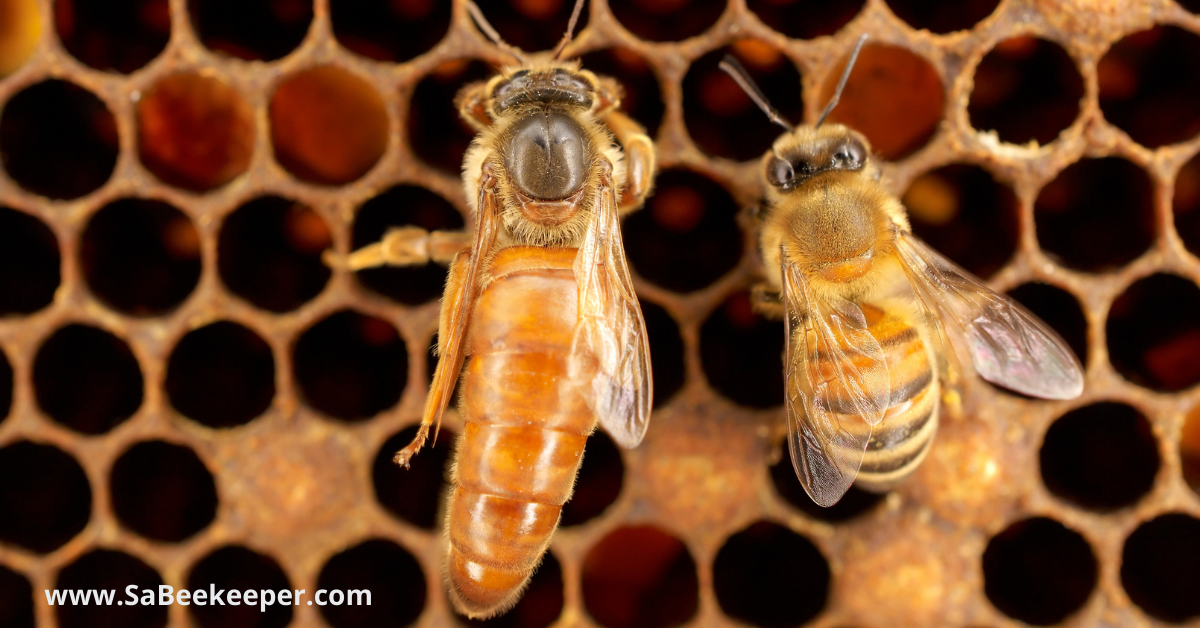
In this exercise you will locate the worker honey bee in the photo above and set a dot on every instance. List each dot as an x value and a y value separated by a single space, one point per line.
876 321
543 306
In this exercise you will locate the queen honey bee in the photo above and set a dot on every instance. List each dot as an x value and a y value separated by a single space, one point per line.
877 323
540 307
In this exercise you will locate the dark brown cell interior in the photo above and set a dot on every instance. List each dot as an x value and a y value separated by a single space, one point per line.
114 570
893 96
6 386
389 30
532 26
539 606
640 577
685 237
385 569
666 352
1186 203
269 253
599 481
1149 86
29 263
237 567
140 256
942 16
1154 335
404 205
87 379
800 19
16 600
721 118
351 366
195 132
1100 457
162 491
45 499
1189 449
1160 567
221 375
667 20
768 576
1038 571
1097 214
413 494
1190 5
742 353
254 31
121 36
964 213
642 99
58 140
1026 89
854 503
1058 309
328 126
436 133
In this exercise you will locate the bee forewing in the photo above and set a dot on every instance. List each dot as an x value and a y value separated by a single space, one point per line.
610 355
1005 343
837 388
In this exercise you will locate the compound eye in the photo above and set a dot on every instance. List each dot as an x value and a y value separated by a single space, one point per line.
780 173
546 156
850 154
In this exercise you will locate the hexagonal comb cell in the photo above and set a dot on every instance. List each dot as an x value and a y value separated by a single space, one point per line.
640 577
350 366
1102 456
140 256
742 354
111 570
20 28
389 30
1097 214
893 96
805 20
16 599
269 253
87 379
1148 85
58 140
667 20
29 263
1038 571
221 375
163 491
1160 566
685 237
259 31
965 213
46 499
768 576
1026 89
599 481
120 36
237 567
328 126
435 132
388 571
1154 335
1058 309
195 132
721 118
945 16
1186 204
413 494
642 98
540 605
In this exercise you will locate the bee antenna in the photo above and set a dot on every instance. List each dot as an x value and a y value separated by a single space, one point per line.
733 68
487 29
570 29
837 93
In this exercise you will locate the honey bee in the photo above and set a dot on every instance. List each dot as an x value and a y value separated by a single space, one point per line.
871 312
540 307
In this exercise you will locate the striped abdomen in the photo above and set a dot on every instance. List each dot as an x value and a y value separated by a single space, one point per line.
525 429
899 442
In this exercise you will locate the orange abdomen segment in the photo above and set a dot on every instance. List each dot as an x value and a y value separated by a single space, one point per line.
524 433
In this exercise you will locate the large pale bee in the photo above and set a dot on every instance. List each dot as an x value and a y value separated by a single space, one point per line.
540 307
876 320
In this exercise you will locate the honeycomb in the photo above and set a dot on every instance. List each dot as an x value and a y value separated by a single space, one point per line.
190 397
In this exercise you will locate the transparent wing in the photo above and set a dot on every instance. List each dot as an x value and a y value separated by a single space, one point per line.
837 388
1003 342
610 354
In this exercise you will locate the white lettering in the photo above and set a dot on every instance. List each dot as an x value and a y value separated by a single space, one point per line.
355 597
165 597
183 595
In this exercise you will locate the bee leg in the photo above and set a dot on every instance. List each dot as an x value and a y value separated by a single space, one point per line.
404 456
640 161
402 246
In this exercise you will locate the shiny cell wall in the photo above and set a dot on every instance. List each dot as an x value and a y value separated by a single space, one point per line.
190 397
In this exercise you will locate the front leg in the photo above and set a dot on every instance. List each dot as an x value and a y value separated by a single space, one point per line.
403 246
640 162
